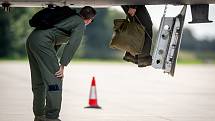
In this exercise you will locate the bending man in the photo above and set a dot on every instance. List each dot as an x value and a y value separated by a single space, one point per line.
46 71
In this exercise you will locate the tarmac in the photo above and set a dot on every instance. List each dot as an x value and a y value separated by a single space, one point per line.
125 92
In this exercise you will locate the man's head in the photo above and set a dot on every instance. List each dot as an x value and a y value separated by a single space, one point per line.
88 13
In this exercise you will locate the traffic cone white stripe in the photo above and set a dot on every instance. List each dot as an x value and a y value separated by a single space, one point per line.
93 93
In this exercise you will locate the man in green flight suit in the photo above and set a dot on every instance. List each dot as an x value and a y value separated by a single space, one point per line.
46 72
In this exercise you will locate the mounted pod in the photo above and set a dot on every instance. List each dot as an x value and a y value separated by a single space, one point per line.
200 13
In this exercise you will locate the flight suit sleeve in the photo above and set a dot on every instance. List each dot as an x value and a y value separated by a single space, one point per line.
72 45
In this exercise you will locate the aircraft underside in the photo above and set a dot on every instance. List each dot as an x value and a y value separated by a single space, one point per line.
38 3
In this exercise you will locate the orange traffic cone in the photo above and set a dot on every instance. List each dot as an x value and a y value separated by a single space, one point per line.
93 96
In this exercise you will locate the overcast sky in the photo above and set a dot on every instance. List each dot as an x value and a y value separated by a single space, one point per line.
199 30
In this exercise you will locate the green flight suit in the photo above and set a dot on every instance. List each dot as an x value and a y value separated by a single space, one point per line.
40 45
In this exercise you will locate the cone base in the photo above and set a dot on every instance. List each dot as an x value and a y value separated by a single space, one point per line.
96 107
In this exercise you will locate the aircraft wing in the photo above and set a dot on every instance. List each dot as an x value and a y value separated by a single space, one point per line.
39 3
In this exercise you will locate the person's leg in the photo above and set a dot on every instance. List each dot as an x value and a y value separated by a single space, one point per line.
38 86
48 65
145 20
148 42
145 59
128 56
52 120
40 118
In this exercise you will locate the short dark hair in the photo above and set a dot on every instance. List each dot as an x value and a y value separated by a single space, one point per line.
87 12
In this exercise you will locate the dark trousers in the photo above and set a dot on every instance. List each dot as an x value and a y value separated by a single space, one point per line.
145 19
46 87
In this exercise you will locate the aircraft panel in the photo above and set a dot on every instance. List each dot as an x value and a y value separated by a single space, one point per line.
30 3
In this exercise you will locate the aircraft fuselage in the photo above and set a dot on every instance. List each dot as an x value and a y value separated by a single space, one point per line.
39 3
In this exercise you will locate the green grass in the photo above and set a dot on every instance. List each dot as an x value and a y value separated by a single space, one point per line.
184 57
188 57
98 60
190 62
13 59
75 60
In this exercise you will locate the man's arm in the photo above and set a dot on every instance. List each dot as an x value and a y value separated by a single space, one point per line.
70 49
59 73
72 45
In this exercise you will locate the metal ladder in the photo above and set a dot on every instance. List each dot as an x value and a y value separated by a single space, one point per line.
168 42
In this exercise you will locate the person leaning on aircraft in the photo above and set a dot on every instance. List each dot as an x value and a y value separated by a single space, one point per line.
46 73
140 11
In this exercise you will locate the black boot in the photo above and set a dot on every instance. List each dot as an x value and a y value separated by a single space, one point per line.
144 61
130 58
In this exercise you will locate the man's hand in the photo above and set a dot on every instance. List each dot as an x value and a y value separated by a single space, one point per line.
59 73
132 11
